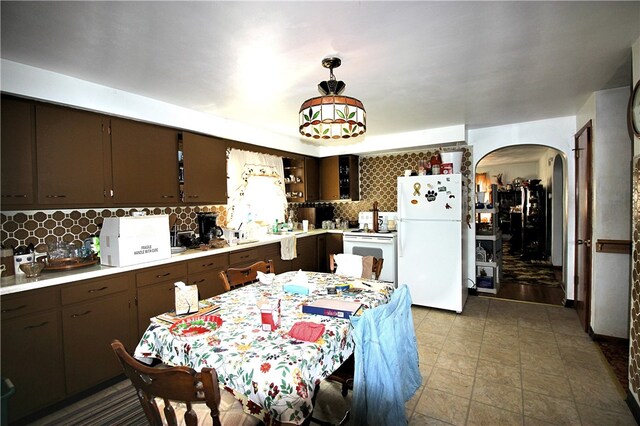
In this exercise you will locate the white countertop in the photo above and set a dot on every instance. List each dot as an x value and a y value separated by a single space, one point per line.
19 283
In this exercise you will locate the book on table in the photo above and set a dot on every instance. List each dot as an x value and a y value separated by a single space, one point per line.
333 308
171 316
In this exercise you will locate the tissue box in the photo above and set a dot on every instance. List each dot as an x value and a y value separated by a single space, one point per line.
270 314
128 241
186 299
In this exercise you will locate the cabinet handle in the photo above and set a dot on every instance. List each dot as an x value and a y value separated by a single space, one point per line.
17 308
166 196
163 275
14 196
81 315
93 290
193 196
199 281
208 264
42 324
55 196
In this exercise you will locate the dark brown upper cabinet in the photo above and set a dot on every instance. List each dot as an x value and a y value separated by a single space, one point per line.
144 162
18 152
70 154
339 178
312 179
204 169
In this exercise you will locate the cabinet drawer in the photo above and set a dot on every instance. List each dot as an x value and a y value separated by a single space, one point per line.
27 302
219 261
95 288
177 271
244 257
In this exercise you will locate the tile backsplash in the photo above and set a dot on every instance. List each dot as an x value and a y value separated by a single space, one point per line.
378 174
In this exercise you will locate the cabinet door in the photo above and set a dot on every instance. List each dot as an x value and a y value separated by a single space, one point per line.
69 156
145 163
323 258
205 169
334 246
209 283
32 359
311 179
307 250
18 152
154 300
329 183
272 252
88 330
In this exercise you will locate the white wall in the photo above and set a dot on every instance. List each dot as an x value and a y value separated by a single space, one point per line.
511 171
611 213
556 133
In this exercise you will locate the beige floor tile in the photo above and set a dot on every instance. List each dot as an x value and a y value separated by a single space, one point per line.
429 339
503 355
493 327
427 355
502 396
589 357
604 396
535 324
588 375
484 415
421 420
451 382
441 316
572 328
530 421
434 327
548 364
536 336
501 339
461 346
443 406
410 405
470 323
499 374
594 416
455 362
546 384
425 371
582 342
540 348
548 409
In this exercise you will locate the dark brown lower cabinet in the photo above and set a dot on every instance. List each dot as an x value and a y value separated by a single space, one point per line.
205 273
32 360
307 250
88 330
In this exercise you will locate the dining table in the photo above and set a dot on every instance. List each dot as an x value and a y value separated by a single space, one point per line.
273 374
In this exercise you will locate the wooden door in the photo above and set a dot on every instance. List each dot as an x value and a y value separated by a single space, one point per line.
145 163
18 152
70 156
311 182
583 232
205 169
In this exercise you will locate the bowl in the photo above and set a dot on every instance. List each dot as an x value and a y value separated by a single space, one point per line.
32 269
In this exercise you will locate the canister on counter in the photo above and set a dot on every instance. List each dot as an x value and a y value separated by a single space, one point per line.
6 256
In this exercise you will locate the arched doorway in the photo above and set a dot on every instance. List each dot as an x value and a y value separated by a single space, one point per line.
526 186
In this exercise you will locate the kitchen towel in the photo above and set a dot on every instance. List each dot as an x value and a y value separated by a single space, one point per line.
349 265
307 331
288 248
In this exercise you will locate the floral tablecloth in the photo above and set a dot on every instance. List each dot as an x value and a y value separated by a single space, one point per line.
270 372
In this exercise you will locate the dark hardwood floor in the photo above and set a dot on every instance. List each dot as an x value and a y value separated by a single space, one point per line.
529 293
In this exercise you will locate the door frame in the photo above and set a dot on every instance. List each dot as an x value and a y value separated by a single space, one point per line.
582 281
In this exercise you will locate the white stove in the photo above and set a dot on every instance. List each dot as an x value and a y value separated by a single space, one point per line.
381 244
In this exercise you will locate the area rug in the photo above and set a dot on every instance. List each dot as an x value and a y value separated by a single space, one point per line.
616 351
518 271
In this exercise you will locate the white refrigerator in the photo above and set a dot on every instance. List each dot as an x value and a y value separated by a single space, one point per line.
431 246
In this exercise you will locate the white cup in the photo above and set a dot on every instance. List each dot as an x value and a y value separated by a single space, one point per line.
2 269
305 226
407 173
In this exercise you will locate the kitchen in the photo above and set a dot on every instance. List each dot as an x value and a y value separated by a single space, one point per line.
378 171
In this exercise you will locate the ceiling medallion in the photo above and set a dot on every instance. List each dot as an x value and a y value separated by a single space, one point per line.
332 116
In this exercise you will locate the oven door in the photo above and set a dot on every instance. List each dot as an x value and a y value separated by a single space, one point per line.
380 247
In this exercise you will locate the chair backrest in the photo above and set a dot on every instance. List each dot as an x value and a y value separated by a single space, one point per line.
235 277
376 266
171 385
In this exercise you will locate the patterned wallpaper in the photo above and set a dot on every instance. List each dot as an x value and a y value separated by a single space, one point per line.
634 355
377 183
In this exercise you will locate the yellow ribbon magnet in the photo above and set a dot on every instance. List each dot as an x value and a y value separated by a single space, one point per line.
416 189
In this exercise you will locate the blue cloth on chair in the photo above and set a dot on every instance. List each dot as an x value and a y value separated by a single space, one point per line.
386 362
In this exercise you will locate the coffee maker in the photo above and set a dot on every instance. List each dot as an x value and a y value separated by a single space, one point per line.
207 227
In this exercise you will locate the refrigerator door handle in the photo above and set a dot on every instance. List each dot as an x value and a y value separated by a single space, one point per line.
399 225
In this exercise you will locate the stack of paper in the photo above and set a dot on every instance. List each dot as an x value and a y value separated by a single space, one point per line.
171 317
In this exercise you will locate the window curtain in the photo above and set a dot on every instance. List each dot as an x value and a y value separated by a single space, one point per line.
256 188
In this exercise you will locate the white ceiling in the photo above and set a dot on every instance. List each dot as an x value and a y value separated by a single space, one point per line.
415 65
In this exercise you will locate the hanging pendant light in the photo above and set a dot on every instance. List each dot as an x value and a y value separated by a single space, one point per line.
332 116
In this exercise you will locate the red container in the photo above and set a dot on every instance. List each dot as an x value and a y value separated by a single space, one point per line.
446 168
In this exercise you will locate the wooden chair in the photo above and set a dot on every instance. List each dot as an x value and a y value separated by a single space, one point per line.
235 277
376 268
179 395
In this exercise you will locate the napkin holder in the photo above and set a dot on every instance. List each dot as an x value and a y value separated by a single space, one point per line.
186 298
270 314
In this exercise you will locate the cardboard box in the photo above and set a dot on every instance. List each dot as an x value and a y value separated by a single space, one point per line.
186 299
333 308
129 240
